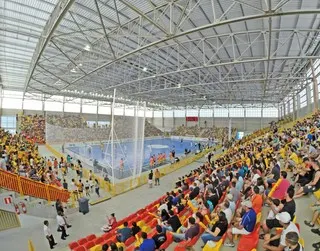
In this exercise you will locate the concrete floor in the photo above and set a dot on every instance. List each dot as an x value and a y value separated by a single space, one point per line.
122 205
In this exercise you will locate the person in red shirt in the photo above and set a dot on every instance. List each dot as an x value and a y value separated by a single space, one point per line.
256 200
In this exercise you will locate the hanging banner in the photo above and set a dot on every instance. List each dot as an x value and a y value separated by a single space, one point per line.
192 118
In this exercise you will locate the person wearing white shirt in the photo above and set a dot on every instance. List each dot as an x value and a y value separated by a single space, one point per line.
48 234
227 210
62 225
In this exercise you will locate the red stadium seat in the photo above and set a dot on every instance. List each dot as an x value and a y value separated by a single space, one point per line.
129 241
91 237
98 240
73 245
80 248
131 248
89 244
168 242
106 236
250 241
182 246
153 223
82 241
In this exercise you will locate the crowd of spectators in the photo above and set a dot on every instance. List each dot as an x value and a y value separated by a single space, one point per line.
219 133
227 194
33 127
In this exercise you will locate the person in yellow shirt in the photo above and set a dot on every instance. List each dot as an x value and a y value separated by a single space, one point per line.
293 159
157 177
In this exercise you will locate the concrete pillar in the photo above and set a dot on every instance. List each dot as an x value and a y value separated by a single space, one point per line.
1 98
81 103
198 117
97 113
162 118
308 95
298 106
63 103
261 117
284 110
174 119
212 116
294 110
244 119
315 88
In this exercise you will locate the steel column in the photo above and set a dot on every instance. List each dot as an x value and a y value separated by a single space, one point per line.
315 88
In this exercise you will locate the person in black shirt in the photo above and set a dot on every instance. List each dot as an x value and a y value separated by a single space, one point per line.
194 193
173 223
160 237
217 231
150 179
135 229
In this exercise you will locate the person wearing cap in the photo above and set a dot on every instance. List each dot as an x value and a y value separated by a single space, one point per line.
246 226
278 242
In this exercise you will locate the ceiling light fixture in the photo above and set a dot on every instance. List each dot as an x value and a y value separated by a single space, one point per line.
145 69
87 47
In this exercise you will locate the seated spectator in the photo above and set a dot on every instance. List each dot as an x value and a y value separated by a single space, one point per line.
316 213
312 186
112 221
281 190
124 233
160 237
114 247
164 215
147 244
172 224
275 203
278 242
257 200
288 205
105 247
246 226
187 233
217 230
135 229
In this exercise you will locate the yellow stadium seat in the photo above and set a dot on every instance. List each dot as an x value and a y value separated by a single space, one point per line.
258 218
217 247
317 194
141 223
146 229
96 248
120 244
301 241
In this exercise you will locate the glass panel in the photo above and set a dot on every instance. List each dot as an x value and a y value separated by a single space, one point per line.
206 113
237 112
157 114
179 113
104 110
32 105
149 114
71 107
118 111
53 106
270 112
221 112
12 103
168 114
253 112
89 109
192 112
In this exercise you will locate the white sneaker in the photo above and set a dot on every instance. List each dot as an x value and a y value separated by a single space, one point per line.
229 245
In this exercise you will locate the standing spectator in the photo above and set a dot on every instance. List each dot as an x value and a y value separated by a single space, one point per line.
62 225
150 179
157 177
48 234
3 162
96 185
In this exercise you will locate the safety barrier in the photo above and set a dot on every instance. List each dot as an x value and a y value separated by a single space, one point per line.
8 220
29 187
